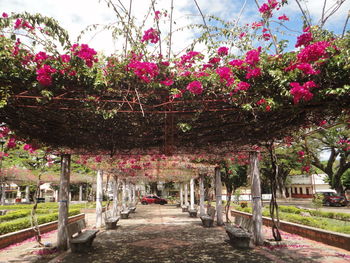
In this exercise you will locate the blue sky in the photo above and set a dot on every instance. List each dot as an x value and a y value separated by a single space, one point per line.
75 15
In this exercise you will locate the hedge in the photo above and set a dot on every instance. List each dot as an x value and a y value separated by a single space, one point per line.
14 215
23 223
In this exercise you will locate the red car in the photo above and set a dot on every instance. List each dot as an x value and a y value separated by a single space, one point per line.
153 199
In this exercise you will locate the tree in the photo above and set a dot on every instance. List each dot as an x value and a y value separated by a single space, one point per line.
233 176
336 141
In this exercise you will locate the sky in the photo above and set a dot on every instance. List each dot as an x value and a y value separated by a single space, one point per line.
75 15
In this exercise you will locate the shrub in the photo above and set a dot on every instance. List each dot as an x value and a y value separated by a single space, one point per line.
14 215
23 223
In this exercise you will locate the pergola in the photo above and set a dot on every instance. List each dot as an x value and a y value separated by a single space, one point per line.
128 116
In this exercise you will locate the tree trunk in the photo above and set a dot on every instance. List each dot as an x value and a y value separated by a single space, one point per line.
3 193
186 194
192 193
99 196
129 195
181 195
62 238
201 196
218 194
80 193
115 197
229 191
256 199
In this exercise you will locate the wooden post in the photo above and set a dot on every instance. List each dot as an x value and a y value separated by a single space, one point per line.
27 193
181 194
80 193
99 196
186 194
218 194
256 199
62 238
192 193
115 197
124 195
201 196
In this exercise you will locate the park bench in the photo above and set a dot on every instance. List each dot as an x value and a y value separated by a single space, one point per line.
192 212
184 208
3 212
111 220
208 219
240 233
132 209
125 214
80 241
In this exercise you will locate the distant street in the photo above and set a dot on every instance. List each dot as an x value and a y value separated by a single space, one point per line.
308 204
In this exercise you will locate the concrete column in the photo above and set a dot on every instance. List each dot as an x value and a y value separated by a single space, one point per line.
18 192
80 193
62 238
186 194
27 194
218 194
70 196
115 197
124 197
192 193
201 195
256 198
56 195
99 196
129 195
181 195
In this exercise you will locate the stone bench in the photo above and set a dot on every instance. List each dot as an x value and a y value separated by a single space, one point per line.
239 237
208 219
192 212
111 220
80 241
240 233
132 209
184 208
125 214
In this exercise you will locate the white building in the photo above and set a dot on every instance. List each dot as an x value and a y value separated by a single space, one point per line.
305 185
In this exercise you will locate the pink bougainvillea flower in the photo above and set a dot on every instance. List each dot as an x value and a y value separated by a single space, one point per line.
157 15
314 52
44 75
261 101
214 60
242 86
283 18
304 39
252 56
65 58
223 51
150 35
98 159
195 87
146 71
167 82
257 25
4 15
265 9
252 73
4 131
29 148
266 36
86 53
322 123
241 35
236 63
302 91
307 68
40 57
268 108
11 143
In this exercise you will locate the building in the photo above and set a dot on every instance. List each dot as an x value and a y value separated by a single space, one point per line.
305 185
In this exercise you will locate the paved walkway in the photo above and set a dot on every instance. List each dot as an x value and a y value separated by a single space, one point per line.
164 234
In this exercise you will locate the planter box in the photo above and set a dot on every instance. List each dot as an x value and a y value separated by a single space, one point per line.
21 235
327 237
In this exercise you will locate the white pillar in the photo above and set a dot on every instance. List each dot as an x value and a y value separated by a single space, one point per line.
115 197
99 196
129 195
70 196
27 193
3 193
124 197
18 192
192 193
62 238
201 196
80 193
133 189
218 193
256 199
181 194
186 194
56 195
